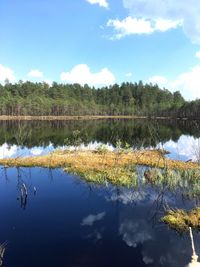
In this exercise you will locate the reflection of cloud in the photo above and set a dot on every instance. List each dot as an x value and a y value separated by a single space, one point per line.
158 246
127 196
7 151
95 235
187 147
36 151
147 260
135 232
91 146
91 219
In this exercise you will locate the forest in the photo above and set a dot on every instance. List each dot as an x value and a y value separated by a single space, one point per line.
40 99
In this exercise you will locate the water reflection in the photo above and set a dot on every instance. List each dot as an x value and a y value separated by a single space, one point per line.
78 224
2 252
181 138
92 218
137 228
135 132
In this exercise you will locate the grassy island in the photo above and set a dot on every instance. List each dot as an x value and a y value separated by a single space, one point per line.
117 167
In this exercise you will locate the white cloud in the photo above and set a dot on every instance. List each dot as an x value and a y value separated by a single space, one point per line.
160 80
81 74
130 25
49 82
164 25
35 74
129 74
187 83
102 3
197 54
6 73
184 11
91 219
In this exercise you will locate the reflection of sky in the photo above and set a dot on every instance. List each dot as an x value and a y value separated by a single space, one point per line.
8 151
92 218
11 151
109 225
187 147
160 246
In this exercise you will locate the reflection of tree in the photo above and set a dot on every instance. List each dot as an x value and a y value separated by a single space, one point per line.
23 184
135 132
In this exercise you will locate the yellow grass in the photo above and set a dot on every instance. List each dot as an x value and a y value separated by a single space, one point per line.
181 220
90 160
115 167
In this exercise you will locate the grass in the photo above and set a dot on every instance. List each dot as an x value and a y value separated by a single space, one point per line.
117 167
181 220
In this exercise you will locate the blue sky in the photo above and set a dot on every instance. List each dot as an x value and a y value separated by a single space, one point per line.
101 42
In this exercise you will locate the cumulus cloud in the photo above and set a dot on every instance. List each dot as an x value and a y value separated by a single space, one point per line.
187 83
81 74
35 74
130 25
197 54
184 11
91 219
6 73
101 3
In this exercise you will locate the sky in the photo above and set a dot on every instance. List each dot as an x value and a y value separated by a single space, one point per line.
102 42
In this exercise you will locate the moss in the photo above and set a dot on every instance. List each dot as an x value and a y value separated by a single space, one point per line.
181 220
123 176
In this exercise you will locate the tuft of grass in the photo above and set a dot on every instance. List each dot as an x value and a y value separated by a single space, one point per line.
181 220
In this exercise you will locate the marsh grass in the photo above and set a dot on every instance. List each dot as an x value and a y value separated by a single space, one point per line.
181 220
117 167
186 181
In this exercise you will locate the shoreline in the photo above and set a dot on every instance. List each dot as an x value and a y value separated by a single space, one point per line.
81 117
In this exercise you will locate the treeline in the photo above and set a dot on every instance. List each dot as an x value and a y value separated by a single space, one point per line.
40 99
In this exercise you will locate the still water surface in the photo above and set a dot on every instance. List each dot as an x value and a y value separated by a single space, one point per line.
68 222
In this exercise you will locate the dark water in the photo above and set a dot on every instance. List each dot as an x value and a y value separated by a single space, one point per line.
68 222
72 223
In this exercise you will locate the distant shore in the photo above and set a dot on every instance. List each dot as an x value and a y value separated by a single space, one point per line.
68 118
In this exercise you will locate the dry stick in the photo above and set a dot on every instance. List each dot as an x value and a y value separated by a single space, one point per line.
194 255
2 251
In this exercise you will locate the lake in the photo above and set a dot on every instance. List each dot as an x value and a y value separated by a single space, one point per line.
65 221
